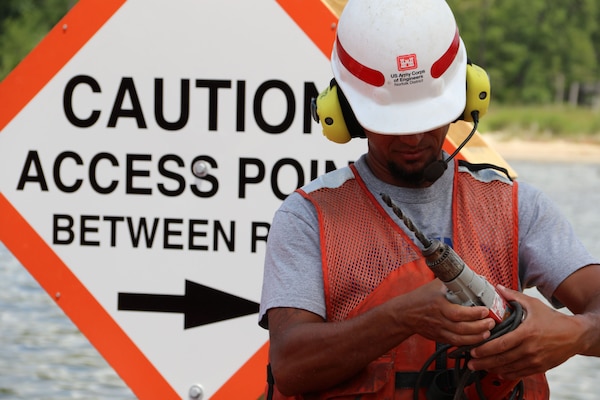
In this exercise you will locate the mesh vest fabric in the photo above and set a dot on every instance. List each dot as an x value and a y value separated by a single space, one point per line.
361 245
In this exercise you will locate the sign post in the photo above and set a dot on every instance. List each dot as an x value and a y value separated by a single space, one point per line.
145 147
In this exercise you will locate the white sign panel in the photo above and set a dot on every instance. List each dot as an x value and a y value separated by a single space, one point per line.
100 165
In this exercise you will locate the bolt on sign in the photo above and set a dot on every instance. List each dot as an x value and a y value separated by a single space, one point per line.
144 147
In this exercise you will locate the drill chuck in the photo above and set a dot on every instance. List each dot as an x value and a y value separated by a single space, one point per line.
443 261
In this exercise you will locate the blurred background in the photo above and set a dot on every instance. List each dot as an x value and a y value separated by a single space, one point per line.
543 58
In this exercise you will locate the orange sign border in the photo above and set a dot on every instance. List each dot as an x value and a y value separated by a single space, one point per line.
16 91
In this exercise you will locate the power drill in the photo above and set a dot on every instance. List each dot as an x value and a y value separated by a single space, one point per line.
465 287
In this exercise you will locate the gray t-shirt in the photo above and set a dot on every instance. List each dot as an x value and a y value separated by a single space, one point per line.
548 249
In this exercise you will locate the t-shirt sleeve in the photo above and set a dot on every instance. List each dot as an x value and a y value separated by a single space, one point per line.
549 250
293 275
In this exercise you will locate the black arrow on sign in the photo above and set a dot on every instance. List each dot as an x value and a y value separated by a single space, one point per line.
200 305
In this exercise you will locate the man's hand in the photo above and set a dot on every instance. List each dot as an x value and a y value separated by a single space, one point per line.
308 354
545 339
431 315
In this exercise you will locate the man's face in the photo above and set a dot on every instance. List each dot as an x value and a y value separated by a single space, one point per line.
401 159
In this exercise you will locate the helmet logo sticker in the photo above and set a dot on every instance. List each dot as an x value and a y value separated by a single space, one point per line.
407 62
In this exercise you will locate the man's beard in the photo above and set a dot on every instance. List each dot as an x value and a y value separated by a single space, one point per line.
412 177
401 174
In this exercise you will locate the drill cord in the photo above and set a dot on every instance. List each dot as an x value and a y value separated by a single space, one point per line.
461 374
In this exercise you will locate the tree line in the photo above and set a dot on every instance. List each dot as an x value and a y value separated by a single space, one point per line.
536 51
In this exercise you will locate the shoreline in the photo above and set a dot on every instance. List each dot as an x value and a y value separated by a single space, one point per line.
554 150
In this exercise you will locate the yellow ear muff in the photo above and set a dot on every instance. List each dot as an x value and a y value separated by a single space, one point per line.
328 110
478 92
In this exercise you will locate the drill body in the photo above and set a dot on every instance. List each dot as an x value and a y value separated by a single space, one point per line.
465 287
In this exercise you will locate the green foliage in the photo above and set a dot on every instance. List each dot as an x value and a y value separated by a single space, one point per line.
533 50
23 23
550 121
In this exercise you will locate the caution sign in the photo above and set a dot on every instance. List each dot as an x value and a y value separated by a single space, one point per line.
144 147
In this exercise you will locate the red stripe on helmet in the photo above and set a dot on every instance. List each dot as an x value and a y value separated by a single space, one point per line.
443 63
362 72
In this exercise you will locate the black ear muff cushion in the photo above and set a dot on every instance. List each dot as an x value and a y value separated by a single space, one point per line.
355 129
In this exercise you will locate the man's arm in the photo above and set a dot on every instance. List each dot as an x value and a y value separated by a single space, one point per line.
581 294
547 338
308 354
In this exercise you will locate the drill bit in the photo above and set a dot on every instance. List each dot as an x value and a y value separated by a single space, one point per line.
409 224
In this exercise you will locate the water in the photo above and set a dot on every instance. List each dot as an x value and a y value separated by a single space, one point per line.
576 189
43 356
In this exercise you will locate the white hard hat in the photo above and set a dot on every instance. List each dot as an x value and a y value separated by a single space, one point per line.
401 64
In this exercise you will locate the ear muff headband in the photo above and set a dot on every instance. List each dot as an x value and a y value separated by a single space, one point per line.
340 124
337 118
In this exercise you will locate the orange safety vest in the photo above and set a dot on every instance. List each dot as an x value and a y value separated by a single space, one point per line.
368 259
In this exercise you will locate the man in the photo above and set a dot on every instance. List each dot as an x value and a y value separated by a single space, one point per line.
352 309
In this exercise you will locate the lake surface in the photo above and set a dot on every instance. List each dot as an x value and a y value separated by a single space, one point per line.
43 355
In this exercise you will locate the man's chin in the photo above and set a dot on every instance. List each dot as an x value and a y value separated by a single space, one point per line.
413 174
